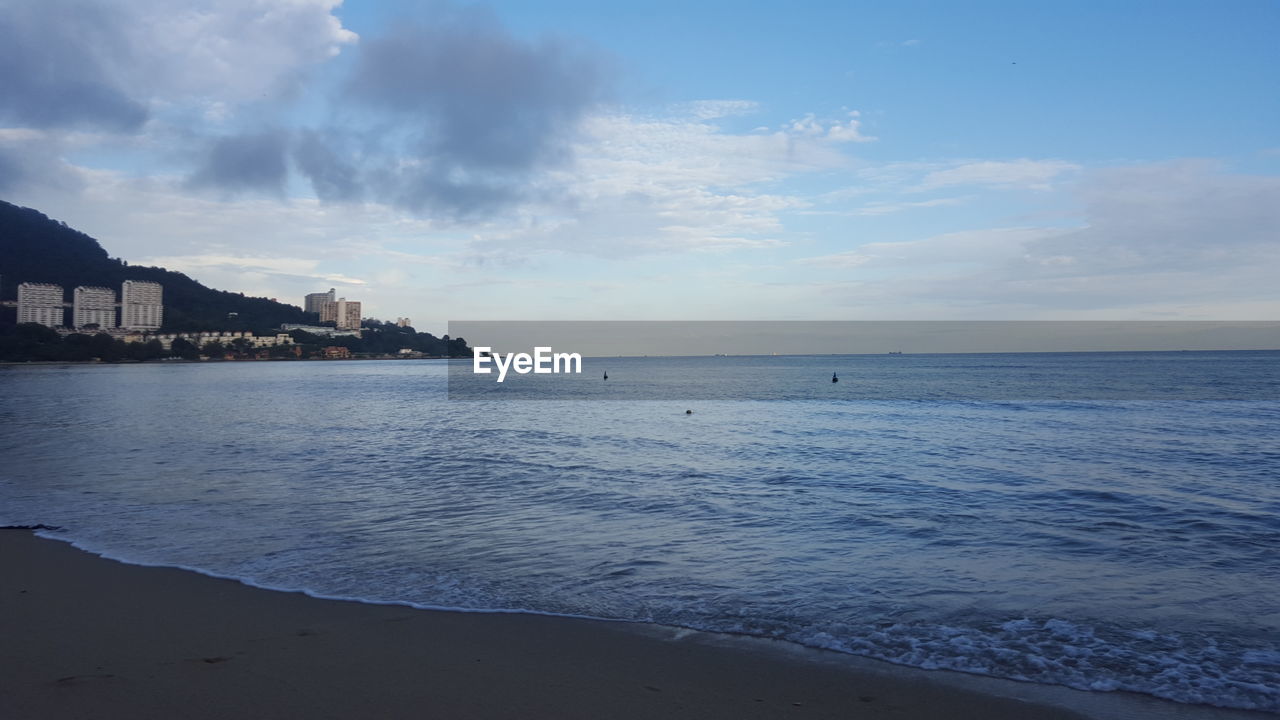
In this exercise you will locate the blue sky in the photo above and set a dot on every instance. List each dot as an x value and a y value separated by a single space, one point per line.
710 160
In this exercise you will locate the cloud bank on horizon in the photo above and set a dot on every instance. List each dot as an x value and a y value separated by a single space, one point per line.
457 161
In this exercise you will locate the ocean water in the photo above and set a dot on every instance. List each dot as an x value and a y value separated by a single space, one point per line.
1100 521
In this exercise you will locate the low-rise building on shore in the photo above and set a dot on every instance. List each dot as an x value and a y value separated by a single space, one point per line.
321 330
200 339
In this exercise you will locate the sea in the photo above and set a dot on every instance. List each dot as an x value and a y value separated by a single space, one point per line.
1103 521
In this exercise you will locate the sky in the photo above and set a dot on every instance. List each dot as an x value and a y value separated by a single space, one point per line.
572 160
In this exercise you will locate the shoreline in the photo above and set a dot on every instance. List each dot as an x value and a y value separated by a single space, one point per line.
181 361
94 637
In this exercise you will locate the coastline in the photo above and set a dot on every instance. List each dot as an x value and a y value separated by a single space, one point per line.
91 637
180 361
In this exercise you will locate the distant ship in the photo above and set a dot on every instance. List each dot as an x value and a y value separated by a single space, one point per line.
895 352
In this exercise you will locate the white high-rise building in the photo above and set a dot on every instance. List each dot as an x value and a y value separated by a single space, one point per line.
314 301
141 305
329 311
40 303
94 306
343 313
347 314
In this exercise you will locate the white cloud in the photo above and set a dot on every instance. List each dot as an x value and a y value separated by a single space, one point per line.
1175 240
712 109
923 176
874 209
849 259
226 50
643 151
1181 216
676 183
974 248
126 59
849 130
1023 173
298 268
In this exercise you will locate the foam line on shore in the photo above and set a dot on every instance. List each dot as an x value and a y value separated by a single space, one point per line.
793 657
1105 703
159 642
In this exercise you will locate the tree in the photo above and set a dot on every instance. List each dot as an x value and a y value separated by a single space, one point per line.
77 347
302 337
150 350
106 348
36 332
281 351
184 349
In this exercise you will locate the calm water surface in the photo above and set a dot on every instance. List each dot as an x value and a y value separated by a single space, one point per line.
1103 521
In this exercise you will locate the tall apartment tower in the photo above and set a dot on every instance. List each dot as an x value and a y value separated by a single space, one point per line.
347 314
315 301
141 305
40 303
329 311
93 306
343 313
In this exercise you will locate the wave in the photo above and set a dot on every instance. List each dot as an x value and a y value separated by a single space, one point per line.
1050 651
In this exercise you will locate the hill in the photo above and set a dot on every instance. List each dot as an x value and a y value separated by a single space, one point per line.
36 248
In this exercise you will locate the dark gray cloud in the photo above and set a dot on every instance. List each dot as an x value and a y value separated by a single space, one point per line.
11 170
57 58
251 161
333 177
449 115
475 112
34 163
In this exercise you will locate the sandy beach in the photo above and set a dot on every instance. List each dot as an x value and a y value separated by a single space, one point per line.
86 637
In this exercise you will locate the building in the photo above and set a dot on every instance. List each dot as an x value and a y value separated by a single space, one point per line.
93 306
226 338
402 322
40 303
348 314
321 330
329 311
314 301
343 313
141 305
334 352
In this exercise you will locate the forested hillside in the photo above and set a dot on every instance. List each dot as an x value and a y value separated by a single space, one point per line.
36 248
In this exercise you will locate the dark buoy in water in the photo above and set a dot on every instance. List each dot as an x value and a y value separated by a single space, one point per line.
834 378
606 374
688 412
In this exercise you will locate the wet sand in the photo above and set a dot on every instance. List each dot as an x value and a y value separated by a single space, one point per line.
86 637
